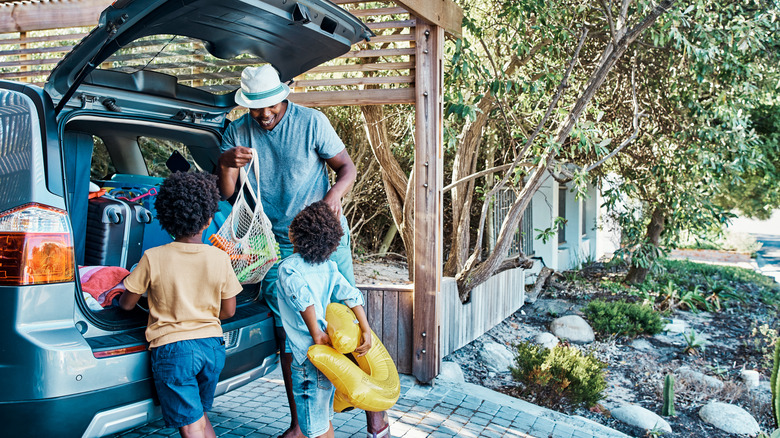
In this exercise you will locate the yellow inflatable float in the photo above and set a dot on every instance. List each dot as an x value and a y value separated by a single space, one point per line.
372 384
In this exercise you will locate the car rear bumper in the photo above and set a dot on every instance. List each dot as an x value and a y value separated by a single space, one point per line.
131 405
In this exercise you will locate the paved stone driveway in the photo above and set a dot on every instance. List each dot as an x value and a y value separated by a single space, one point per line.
259 409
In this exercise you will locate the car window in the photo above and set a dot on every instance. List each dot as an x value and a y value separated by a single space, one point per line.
156 153
102 167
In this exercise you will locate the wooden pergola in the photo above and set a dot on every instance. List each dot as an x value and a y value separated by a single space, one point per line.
401 65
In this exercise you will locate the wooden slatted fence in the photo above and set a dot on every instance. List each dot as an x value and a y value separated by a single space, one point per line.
389 313
380 71
491 302
389 310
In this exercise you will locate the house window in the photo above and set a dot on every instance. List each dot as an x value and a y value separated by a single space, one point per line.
523 236
584 218
562 214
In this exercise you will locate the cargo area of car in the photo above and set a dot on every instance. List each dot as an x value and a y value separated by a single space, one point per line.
114 167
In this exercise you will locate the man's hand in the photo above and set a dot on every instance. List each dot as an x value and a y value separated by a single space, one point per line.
333 202
365 345
236 157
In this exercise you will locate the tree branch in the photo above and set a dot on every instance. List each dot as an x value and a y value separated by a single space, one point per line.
482 173
634 122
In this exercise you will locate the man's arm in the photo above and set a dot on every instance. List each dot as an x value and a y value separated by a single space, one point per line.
345 176
228 166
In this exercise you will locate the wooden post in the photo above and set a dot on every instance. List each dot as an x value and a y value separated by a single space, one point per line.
428 170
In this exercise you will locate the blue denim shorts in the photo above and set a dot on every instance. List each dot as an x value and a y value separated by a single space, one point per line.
342 256
185 376
313 394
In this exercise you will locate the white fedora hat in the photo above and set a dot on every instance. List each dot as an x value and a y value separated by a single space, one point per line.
261 87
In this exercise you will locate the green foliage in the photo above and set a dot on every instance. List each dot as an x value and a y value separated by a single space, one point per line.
774 383
686 285
614 287
668 408
722 241
695 344
562 372
548 233
763 339
622 318
710 77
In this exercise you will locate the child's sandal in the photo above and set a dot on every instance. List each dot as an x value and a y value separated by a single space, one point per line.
384 433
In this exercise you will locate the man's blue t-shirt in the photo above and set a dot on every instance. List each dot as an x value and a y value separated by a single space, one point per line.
293 171
303 284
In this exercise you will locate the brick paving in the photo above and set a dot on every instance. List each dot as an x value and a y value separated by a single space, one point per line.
259 409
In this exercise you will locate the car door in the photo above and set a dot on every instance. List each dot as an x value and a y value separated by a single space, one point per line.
293 36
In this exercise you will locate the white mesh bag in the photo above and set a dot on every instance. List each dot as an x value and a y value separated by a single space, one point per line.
246 235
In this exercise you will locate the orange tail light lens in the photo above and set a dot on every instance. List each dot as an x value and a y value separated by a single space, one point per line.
35 246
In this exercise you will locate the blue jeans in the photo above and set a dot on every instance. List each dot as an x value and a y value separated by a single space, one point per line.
342 256
185 376
313 394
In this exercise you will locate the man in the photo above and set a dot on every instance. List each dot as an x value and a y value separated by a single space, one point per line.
295 146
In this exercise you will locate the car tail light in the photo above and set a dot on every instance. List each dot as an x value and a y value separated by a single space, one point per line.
35 246
118 351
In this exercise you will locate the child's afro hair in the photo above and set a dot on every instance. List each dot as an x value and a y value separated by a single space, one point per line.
316 232
186 202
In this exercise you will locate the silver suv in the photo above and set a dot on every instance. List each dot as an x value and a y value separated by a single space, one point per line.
113 112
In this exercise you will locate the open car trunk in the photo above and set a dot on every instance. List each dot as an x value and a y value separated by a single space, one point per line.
126 160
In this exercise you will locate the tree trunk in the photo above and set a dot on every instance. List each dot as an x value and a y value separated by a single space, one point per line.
637 274
400 197
465 164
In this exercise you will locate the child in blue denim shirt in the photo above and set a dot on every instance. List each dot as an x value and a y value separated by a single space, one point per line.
308 282
191 287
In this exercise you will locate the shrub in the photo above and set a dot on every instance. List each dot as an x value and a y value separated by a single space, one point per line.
562 372
622 318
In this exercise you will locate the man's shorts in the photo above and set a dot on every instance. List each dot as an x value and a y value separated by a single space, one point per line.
313 395
342 256
185 375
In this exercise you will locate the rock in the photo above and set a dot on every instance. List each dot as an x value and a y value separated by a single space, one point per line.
546 340
709 382
451 372
676 326
496 357
675 339
572 327
642 418
552 307
729 418
642 345
750 377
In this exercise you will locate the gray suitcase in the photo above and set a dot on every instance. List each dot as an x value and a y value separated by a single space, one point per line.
115 232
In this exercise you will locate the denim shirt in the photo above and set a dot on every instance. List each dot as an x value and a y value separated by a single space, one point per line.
301 285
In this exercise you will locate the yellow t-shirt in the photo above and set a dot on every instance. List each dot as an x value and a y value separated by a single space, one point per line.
186 283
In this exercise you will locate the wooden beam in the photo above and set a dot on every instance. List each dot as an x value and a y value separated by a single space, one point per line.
375 12
37 15
373 53
354 97
443 13
374 66
428 182
380 25
48 38
337 82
